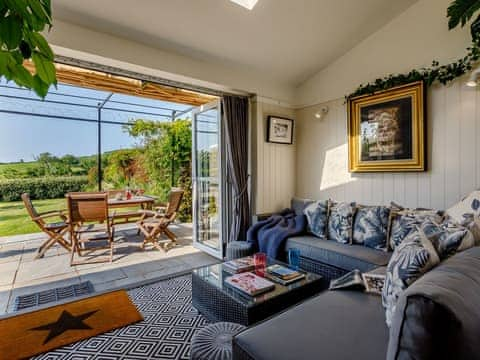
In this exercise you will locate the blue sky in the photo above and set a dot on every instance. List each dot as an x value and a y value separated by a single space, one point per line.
23 136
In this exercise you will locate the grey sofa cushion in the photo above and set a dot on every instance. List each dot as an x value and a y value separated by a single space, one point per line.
439 314
340 325
347 257
298 205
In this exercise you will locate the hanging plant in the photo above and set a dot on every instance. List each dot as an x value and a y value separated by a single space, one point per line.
459 12
21 24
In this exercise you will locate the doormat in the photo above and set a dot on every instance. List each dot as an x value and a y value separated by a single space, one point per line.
52 295
25 335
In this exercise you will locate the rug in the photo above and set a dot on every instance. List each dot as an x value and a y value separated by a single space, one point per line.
52 295
169 323
39 331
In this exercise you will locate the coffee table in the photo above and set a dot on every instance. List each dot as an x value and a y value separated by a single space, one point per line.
218 301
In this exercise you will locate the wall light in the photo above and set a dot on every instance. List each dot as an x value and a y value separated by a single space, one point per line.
473 80
247 4
322 112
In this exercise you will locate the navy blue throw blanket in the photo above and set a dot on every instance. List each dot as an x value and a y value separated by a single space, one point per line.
269 236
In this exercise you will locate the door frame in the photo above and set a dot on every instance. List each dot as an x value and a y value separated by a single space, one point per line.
219 254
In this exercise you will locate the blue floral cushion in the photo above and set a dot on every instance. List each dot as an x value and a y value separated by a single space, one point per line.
403 222
317 215
470 205
410 260
370 227
448 238
340 222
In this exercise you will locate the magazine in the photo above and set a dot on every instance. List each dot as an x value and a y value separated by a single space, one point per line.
239 265
371 282
283 272
353 281
250 283
282 281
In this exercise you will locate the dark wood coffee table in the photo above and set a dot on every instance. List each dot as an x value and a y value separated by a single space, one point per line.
219 302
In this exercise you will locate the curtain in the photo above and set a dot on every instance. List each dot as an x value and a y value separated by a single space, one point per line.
235 124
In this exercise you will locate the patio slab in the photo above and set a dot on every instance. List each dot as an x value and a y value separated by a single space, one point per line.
21 274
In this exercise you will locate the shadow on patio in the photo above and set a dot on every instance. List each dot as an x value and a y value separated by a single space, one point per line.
20 274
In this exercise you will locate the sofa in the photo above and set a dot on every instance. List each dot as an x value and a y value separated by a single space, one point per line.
437 317
330 258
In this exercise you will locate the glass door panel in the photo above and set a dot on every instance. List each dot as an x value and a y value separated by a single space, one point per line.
207 175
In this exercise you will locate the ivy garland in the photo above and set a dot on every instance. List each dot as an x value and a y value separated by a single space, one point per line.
436 73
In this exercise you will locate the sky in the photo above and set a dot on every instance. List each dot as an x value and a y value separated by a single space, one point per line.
22 137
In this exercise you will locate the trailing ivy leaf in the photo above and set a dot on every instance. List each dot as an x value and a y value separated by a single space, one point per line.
11 31
460 11
45 68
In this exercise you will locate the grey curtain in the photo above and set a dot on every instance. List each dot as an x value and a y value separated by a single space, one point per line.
235 124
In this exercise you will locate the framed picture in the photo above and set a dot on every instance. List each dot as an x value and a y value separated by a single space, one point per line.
279 130
386 130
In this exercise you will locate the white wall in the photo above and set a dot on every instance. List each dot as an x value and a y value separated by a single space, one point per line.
453 118
273 165
453 155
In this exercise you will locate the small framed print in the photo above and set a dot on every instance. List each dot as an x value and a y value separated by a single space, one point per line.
279 130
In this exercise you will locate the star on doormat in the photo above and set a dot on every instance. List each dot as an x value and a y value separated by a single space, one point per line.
65 322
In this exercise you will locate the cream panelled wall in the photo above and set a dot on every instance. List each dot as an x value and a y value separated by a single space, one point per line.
273 165
453 125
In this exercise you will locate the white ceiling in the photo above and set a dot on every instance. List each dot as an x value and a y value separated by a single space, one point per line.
289 40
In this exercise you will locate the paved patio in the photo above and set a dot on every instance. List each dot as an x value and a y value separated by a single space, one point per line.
20 274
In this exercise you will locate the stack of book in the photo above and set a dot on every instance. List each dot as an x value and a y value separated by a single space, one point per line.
239 265
249 283
283 275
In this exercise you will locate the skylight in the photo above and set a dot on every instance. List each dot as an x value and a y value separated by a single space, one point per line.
247 4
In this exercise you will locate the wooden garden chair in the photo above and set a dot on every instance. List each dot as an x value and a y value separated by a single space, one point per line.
154 223
91 226
55 230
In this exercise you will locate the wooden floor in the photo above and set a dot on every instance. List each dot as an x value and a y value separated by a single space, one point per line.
20 274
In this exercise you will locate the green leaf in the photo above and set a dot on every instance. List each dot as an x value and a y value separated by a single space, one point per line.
23 77
45 68
25 49
40 87
11 31
460 11
39 11
5 60
39 41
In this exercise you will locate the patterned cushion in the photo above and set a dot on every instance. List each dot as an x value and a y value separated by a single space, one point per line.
403 222
410 260
472 223
448 238
370 226
317 215
468 205
340 222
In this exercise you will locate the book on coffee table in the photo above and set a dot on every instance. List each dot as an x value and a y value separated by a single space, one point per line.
282 281
239 265
283 272
250 283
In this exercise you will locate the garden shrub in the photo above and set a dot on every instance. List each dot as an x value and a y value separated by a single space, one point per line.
41 188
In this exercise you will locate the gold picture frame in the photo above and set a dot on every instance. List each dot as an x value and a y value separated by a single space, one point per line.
386 130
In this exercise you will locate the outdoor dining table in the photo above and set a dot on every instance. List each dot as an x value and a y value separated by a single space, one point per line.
144 201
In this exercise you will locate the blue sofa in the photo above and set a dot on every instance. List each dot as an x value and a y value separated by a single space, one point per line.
330 258
437 317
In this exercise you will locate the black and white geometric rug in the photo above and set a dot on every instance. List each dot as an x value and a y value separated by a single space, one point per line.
170 322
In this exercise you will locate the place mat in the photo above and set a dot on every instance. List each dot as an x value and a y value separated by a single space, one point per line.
52 295
25 335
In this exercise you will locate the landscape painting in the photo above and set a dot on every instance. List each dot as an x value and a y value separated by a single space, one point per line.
386 130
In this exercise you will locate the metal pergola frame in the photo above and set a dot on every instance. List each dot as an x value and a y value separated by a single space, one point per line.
102 104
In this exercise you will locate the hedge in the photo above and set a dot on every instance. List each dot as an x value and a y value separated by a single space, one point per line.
41 188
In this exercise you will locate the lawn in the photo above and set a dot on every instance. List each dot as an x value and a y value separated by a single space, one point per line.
14 219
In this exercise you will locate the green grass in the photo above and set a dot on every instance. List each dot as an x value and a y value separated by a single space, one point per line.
14 219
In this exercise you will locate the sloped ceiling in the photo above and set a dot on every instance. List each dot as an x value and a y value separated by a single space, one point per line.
290 40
